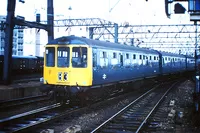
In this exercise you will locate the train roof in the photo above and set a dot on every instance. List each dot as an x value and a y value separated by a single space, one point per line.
189 56
67 40
171 54
20 56
30 57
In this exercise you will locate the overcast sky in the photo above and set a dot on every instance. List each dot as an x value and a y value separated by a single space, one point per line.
132 11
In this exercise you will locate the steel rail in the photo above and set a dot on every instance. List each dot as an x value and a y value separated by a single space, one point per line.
18 123
32 119
123 109
131 106
22 101
153 109
11 118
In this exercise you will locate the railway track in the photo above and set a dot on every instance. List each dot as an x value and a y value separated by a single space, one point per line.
30 120
169 116
25 122
22 101
134 116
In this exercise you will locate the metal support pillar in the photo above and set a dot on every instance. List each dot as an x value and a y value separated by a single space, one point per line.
37 37
197 71
132 41
37 45
91 32
9 41
116 32
50 19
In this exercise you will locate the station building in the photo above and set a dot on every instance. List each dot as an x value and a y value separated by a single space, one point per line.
18 40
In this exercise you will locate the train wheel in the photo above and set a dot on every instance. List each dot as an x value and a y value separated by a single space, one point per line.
51 95
83 99
60 99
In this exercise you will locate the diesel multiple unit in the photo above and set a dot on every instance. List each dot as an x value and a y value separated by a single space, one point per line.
74 64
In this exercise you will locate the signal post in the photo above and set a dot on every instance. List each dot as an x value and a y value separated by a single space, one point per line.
194 10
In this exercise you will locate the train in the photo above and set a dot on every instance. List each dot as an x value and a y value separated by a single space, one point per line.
23 65
74 65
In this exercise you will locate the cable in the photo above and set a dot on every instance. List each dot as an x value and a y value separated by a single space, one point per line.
114 6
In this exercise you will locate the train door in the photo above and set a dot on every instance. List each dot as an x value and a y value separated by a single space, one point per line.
81 66
94 57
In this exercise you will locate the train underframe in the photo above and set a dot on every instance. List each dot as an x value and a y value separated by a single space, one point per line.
86 95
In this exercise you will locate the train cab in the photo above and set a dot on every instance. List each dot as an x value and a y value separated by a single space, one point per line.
67 63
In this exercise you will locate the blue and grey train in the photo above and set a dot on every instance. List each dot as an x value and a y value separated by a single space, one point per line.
75 64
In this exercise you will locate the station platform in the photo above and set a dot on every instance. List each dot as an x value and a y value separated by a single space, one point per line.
19 90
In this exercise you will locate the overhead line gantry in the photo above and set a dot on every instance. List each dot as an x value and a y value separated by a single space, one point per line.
11 22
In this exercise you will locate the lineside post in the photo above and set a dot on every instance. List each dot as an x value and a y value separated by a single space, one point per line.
50 20
194 10
116 32
91 32
9 41
197 72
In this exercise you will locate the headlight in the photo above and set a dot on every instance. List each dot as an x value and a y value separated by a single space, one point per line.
65 76
59 75
42 79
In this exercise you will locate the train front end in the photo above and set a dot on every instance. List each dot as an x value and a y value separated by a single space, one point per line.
67 67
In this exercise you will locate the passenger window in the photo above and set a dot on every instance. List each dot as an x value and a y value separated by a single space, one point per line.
94 59
163 61
143 57
114 55
63 57
79 57
149 57
121 59
50 56
127 56
140 57
134 56
104 55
